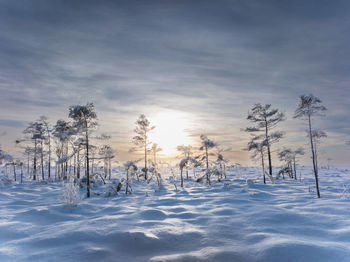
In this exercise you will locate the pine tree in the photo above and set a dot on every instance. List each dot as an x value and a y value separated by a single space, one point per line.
265 119
84 120
308 107
141 140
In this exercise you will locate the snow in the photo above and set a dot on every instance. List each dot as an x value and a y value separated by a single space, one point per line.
238 219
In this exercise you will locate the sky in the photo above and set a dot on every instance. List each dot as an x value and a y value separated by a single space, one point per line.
191 67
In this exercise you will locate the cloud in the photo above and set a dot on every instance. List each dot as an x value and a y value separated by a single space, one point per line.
213 59
11 123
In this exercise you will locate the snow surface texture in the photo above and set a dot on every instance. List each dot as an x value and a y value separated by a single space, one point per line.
229 221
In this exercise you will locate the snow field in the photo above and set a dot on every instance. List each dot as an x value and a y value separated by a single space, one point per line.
229 221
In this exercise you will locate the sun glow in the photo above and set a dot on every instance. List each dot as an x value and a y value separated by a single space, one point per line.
170 130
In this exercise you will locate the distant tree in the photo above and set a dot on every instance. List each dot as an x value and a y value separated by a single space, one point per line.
48 130
35 132
299 151
62 131
79 144
206 146
4 156
107 154
265 119
258 149
131 169
308 107
155 149
84 120
186 153
221 163
183 163
286 155
329 162
141 140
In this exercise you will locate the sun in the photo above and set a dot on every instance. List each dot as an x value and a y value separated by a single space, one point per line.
170 130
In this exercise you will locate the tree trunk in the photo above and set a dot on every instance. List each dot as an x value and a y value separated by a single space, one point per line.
75 166
78 163
21 174
207 157
109 168
87 162
49 165
14 171
28 163
127 182
314 158
268 148
34 164
263 165
182 180
42 160
145 159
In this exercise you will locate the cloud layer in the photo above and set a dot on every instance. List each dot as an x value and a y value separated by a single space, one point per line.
211 59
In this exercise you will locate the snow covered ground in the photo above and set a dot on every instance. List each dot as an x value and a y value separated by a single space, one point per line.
228 221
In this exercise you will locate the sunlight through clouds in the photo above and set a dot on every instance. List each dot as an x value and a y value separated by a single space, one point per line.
170 130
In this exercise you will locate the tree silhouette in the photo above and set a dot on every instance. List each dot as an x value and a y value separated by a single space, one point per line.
308 107
84 120
265 119
143 127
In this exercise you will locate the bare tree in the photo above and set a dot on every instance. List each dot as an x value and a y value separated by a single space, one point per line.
221 163
107 154
186 153
131 169
265 118
84 120
183 163
295 153
258 149
308 107
286 155
143 127
155 149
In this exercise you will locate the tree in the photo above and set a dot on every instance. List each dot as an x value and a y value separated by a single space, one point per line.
183 163
221 162
308 107
258 149
62 131
286 155
48 130
84 120
155 149
143 127
107 154
35 132
186 153
206 145
295 153
131 169
265 118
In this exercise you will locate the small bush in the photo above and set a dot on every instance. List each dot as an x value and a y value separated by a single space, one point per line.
71 195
